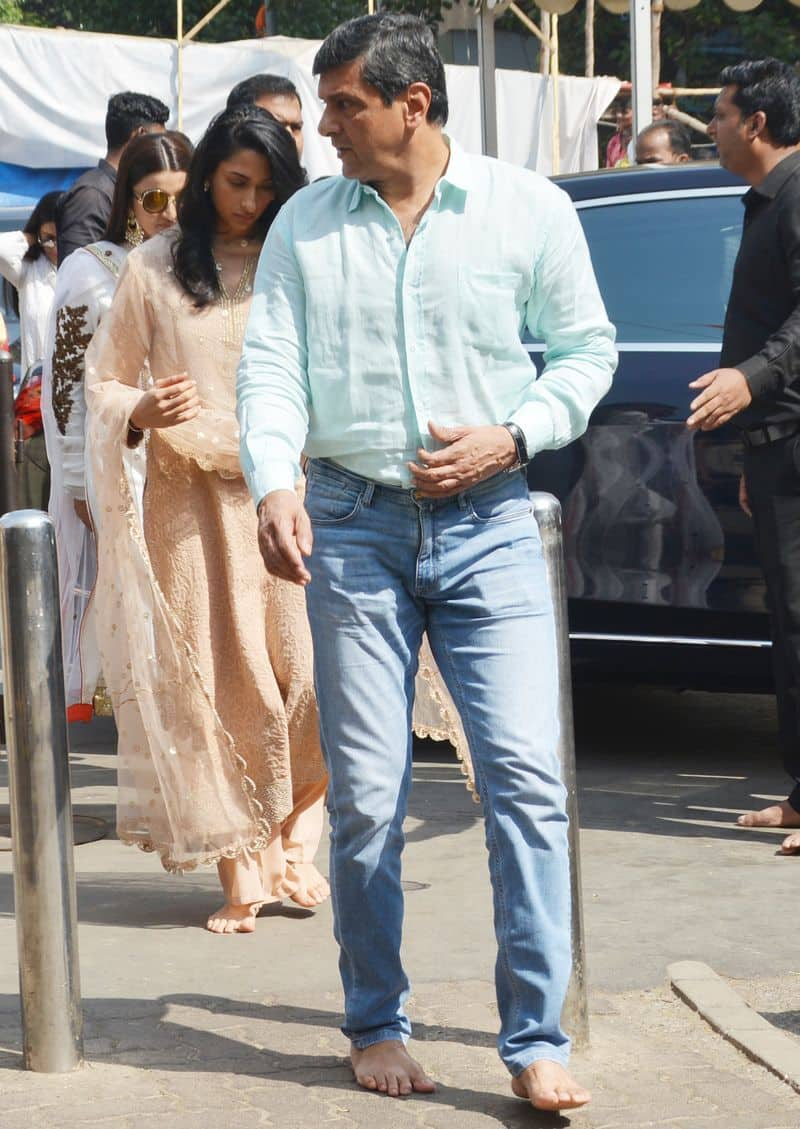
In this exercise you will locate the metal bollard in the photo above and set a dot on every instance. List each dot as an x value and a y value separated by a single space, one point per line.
8 470
547 511
41 810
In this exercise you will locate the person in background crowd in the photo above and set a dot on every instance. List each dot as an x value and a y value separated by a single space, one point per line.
756 128
151 175
384 340
28 262
617 147
663 143
277 95
207 659
84 209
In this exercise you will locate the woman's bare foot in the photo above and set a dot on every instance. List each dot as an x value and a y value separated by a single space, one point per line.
791 844
776 815
546 1085
313 888
234 919
388 1068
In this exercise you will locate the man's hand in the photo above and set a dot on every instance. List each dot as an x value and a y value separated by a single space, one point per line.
471 455
284 535
82 510
725 392
171 400
744 497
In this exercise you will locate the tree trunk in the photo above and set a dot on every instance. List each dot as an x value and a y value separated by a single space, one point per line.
657 10
544 51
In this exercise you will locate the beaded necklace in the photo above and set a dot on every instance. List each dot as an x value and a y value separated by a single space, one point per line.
231 304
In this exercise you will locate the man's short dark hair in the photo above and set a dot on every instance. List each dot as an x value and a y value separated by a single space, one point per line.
395 50
128 111
771 86
249 90
680 140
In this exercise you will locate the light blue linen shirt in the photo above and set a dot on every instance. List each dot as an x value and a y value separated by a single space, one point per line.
355 340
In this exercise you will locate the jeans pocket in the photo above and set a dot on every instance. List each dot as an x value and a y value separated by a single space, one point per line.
503 501
331 502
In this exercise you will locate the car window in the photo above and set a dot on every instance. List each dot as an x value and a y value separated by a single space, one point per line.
664 267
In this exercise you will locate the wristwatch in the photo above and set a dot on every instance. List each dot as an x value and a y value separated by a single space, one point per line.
518 436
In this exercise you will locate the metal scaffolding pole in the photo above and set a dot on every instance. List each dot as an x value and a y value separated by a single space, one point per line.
641 64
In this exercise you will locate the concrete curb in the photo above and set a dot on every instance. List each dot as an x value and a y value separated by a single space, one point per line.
721 1007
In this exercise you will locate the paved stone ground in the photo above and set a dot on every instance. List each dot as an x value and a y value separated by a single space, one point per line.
186 1029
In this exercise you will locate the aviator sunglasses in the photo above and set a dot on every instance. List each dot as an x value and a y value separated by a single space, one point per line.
156 200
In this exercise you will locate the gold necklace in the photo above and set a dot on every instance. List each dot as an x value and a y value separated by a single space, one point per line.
231 304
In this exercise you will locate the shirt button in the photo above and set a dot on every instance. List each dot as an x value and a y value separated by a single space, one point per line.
412 348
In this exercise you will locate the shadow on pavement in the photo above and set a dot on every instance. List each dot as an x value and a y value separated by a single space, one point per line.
172 1034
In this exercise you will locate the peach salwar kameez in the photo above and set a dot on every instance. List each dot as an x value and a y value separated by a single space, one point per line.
207 657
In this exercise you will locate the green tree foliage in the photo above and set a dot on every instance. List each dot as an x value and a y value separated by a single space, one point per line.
695 45
309 19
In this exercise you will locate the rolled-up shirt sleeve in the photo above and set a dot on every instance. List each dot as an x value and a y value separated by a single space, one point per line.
272 388
566 311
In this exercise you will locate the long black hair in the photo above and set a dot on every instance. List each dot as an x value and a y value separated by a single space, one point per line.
144 155
247 127
44 212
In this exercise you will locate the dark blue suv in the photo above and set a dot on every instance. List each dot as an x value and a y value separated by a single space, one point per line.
662 574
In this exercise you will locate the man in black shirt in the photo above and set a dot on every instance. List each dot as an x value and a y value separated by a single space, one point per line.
83 211
756 127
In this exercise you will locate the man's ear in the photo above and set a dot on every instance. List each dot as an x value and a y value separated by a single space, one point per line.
757 123
418 100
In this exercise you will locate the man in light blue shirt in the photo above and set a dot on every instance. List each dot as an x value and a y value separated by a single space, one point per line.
384 341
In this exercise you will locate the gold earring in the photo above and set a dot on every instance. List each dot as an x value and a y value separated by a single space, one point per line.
206 186
133 231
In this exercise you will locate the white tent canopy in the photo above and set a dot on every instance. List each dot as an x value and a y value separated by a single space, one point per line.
54 86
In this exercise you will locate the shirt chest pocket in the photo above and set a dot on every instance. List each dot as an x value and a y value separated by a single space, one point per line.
489 315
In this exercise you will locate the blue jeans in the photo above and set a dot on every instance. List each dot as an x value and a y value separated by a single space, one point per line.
385 567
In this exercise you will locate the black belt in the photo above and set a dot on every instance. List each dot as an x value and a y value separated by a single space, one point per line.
769 433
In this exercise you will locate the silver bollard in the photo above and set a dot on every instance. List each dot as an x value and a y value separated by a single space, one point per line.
547 511
41 810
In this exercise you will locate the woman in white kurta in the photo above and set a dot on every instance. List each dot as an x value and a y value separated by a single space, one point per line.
28 261
152 172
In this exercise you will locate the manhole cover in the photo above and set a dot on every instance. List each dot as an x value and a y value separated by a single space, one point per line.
85 829
412 886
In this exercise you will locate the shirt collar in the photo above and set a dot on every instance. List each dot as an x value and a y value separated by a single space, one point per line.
774 182
458 175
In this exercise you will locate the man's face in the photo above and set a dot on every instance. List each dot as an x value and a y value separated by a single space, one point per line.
288 111
367 134
624 116
728 129
653 148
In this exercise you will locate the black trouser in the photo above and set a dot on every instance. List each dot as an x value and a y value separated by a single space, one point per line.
772 474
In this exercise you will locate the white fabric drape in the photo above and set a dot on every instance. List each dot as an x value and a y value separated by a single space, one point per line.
59 123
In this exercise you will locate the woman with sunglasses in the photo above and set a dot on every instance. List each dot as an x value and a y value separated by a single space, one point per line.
151 174
207 658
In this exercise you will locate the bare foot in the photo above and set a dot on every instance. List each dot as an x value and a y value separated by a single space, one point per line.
390 1069
313 888
777 815
791 844
546 1085
234 919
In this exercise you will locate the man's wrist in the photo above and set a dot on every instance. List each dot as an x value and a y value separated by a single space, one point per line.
520 444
